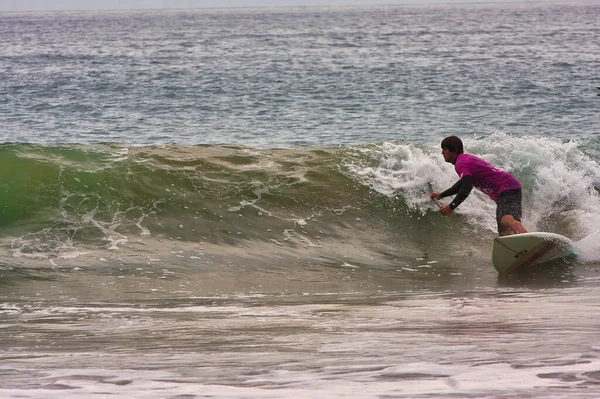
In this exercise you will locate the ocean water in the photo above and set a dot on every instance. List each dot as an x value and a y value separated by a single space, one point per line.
234 203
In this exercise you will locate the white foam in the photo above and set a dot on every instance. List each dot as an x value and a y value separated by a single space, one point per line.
588 249
558 180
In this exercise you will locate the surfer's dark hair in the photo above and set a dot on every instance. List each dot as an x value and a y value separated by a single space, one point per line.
453 144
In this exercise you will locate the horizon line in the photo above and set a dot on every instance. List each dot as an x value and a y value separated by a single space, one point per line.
291 6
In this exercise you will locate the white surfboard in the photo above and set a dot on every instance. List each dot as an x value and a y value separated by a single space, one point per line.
517 252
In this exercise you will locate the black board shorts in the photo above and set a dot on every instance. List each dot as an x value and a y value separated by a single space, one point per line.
509 203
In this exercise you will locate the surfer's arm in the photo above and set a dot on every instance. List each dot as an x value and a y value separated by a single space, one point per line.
452 190
465 185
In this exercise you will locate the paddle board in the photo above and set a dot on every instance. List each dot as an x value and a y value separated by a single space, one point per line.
517 252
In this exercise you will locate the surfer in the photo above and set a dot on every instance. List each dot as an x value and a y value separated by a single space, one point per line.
500 186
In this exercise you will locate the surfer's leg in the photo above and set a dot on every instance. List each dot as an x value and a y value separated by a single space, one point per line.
503 230
508 213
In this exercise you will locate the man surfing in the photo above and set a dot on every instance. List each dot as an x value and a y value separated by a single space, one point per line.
500 186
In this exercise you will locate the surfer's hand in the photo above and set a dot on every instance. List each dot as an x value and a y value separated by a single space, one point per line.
445 210
435 195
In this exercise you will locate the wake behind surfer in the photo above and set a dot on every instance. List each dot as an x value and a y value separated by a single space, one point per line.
500 186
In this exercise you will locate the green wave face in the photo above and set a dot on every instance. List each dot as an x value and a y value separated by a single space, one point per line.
59 199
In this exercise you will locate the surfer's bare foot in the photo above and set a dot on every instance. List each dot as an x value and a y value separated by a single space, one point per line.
513 224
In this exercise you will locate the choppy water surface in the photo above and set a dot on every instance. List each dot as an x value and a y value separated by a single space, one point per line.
485 342
302 76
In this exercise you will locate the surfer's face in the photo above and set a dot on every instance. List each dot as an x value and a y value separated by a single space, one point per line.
449 156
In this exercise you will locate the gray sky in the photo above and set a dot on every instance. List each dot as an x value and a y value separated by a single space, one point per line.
40 5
